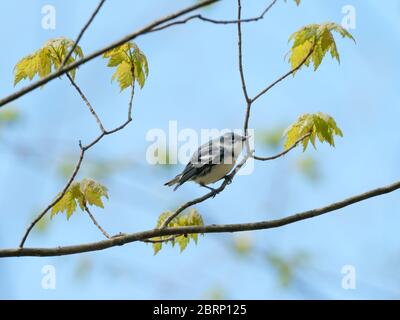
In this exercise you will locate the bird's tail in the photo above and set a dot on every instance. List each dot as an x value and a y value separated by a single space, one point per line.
172 182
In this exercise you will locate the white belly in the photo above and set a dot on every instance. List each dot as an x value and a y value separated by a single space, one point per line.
217 173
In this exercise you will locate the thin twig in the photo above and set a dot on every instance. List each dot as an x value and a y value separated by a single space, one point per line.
99 52
71 51
78 165
58 197
239 32
100 124
281 154
214 21
96 223
139 236
273 84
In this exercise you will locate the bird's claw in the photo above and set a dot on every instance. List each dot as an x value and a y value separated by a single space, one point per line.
228 179
214 193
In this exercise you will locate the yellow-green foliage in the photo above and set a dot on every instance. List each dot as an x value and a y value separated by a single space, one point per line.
86 192
131 65
318 125
193 218
317 38
49 57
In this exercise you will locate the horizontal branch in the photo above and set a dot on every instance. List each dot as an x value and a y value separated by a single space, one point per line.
99 52
140 236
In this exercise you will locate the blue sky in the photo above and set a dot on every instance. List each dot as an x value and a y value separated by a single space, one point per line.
194 80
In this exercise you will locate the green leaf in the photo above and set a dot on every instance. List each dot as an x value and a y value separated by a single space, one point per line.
131 65
157 247
124 75
93 192
312 42
49 57
67 203
86 192
317 125
193 218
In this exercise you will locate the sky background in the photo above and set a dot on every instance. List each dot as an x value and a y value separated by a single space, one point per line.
194 80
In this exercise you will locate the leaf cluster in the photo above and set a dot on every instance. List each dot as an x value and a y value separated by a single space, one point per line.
84 193
193 218
49 57
131 65
312 126
312 42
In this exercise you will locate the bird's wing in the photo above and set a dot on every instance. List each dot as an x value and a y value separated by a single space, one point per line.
204 158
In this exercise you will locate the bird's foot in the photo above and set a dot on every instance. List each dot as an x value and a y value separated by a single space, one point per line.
213 191
228 179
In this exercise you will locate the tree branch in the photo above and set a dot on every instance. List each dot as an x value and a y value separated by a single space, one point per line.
78 165
58 197
131 36
139 236
82 32
214 21
239 32
273 84
281 154
100 124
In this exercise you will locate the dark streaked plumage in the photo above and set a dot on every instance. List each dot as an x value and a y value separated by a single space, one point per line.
212 161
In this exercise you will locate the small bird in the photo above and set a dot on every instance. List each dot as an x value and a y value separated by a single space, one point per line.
212 161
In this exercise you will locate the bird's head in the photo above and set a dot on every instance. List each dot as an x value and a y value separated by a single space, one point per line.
233 142
231 138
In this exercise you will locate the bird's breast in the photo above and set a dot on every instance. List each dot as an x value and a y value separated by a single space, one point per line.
216 173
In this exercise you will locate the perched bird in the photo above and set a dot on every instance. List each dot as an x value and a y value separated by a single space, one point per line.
212 161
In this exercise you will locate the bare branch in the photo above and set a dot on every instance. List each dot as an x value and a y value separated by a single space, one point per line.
82 32
281 154
96 223
58 197
78 165
239 32
100 124
131 36
139 236
273 84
